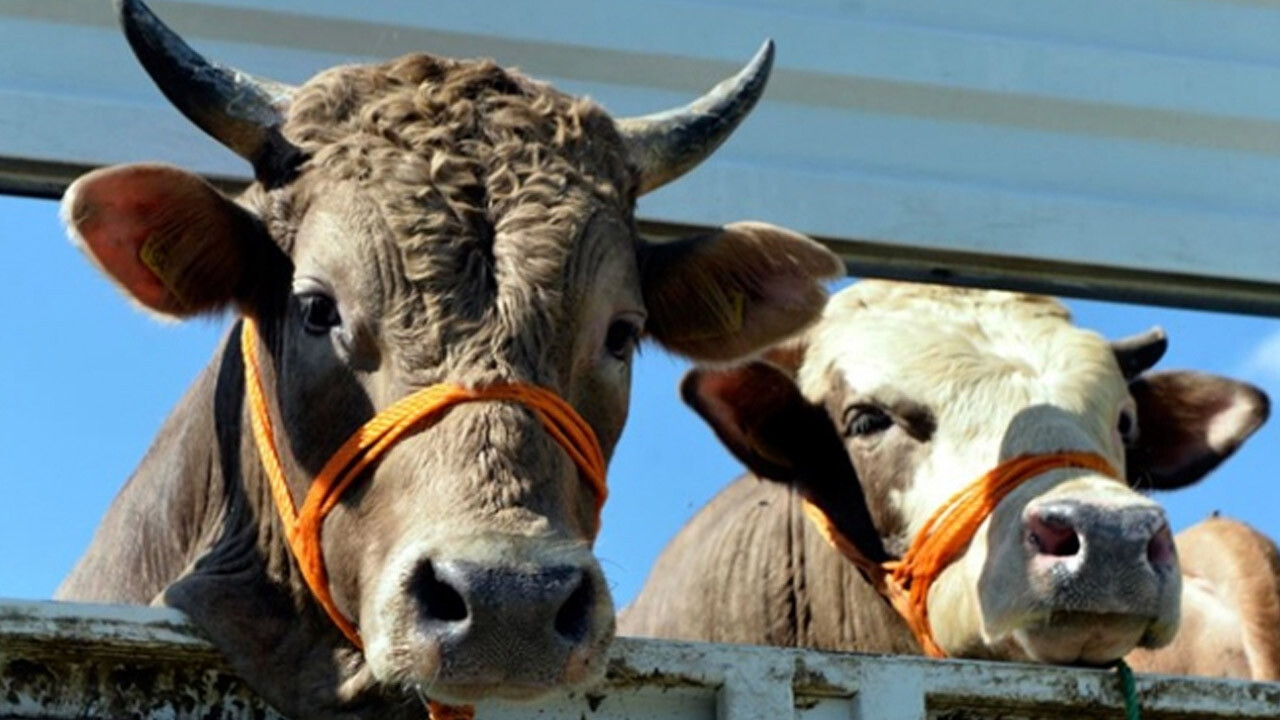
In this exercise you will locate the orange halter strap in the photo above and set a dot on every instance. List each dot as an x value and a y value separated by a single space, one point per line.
374 438
905 583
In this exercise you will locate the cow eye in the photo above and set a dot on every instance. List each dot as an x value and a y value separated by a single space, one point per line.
1127 426
621 339
319 313
866 420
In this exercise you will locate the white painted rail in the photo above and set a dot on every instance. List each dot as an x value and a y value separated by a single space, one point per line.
62 661
1126 150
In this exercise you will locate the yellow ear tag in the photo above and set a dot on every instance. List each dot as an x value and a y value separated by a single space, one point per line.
731 308
157 254
737 310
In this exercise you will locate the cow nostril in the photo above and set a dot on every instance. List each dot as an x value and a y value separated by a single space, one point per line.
1161 551
572 619
440 601
1053 536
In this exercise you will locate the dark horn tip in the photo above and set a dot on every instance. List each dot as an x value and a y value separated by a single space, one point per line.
762 62
238 110
750 82
745 88
668 144
758 68
131 13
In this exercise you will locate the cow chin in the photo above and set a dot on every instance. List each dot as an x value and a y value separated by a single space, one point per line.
1100 625
494 616
1091 639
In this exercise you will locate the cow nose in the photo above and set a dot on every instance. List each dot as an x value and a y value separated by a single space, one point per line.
1051 531
1092 576
1065 528
1161 552
473 609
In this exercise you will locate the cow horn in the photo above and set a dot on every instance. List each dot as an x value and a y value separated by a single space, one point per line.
666 145
238 110
1138 353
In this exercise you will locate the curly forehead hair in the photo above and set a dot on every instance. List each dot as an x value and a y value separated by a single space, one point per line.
456 152
449 119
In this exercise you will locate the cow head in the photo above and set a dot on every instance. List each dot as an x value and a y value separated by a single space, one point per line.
903 394
420 221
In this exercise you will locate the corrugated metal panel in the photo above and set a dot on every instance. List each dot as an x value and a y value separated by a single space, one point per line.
84 661
1084 148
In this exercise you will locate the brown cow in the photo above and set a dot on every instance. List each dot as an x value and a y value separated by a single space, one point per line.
903 394
415 222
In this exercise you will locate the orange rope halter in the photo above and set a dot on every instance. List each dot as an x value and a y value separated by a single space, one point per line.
376 437
905 583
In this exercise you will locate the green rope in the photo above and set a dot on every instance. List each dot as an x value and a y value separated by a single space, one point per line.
1129 689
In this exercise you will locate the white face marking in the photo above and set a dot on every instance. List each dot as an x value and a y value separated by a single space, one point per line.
1002 374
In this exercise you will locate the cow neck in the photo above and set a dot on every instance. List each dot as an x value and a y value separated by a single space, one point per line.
372 440
905 583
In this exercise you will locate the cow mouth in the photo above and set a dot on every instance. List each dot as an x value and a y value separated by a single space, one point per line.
1086 639
525 679
470 693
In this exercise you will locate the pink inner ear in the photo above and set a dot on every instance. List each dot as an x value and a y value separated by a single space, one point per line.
113 214
750 392
782 300
718 385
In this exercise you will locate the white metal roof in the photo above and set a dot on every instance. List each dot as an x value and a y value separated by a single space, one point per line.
1125 149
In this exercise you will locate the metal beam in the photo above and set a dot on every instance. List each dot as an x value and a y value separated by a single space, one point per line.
1127 155
878 259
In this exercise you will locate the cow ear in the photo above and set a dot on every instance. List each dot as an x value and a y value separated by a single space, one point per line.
1188 423
171 241
761 417
727 294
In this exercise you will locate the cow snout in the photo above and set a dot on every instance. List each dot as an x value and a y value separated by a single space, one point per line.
485 616
508 627
470 607
1101 578
1077 537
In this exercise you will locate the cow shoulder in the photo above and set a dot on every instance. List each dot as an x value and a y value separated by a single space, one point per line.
840 610
728 575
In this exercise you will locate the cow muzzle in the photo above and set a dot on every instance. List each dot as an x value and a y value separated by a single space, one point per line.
513 618
1101 577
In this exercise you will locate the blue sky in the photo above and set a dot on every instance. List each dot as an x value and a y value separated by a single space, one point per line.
85 381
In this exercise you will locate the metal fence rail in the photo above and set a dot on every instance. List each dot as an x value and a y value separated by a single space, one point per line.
60 660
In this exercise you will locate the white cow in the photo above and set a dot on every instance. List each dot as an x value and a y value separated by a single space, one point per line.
902 395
